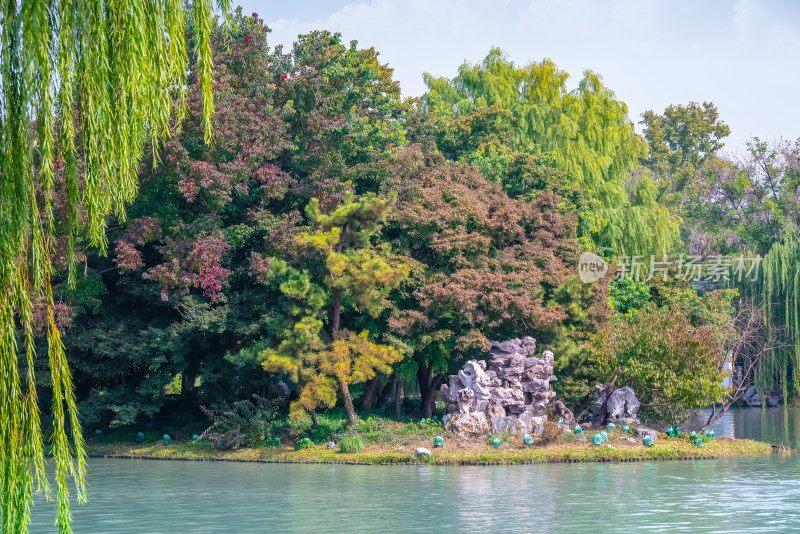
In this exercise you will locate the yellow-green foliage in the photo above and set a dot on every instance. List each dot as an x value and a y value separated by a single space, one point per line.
588 132
122 67
355 274
778 289
348 361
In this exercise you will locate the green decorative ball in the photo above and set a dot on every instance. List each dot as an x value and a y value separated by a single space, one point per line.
698 442
677 431
693 435
578 430
626 428
647 441
670 432
612 427
711 434
496 443
438 441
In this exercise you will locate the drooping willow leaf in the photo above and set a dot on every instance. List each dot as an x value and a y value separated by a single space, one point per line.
777 289
83 84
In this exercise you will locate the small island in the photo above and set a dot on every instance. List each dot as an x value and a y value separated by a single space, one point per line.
500 411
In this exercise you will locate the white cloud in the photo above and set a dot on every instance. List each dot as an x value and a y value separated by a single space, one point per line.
741 55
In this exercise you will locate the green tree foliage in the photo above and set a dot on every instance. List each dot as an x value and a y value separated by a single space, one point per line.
681 140
356 276
177 295
485 267
778 290
115 73
587 131
745 204
669 361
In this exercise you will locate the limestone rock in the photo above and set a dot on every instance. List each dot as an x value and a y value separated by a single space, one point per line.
599 407
471 424
506 396
641 432
751 397
422 452
563 412
622 403
509 392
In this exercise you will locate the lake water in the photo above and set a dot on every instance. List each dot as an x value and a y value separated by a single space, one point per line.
730 495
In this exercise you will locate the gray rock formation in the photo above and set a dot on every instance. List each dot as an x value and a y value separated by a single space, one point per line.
622 404
508 393
562 412
422 452
751 397
620 408
642 432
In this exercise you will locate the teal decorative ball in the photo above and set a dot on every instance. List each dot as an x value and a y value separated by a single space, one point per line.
612 427
496 443
438 441
647 441
597 439
527 439
578 430
626 428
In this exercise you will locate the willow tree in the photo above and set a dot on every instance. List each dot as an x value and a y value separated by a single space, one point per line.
777 289
587 131
85 85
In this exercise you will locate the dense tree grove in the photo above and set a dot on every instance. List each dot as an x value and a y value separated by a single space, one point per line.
350 245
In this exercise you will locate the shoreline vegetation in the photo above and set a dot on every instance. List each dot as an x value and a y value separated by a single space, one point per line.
453 452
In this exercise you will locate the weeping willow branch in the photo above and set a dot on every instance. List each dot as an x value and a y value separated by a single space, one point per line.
115 71
778 291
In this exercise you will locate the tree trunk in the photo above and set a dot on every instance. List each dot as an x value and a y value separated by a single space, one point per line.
348 403
369 393
427 388
313 414
383 396
398 397
187 382
337 311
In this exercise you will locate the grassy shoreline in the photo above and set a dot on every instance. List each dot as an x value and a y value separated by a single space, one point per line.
453 452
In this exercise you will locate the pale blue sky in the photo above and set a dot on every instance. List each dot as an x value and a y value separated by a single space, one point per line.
743 55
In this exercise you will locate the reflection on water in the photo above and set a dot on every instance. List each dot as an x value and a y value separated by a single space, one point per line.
779 426
733 495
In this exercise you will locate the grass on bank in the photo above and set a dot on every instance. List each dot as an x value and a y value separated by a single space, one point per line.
384 441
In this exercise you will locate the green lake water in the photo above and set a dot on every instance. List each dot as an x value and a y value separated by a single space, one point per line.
730 495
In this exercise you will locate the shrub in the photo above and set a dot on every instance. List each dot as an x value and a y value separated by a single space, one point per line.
552 434
241 423
351 445
304 443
